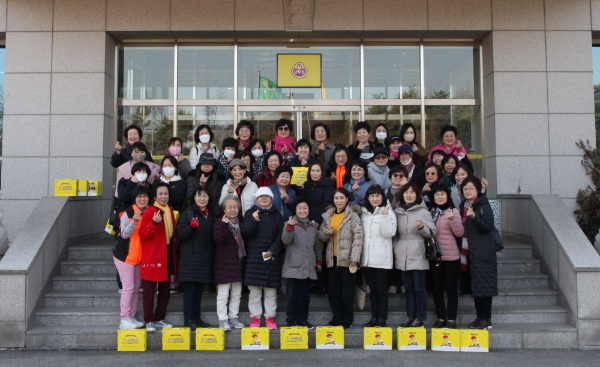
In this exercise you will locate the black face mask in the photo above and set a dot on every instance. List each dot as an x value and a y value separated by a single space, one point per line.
444 206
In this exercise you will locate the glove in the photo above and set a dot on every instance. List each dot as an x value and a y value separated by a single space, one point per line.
194 223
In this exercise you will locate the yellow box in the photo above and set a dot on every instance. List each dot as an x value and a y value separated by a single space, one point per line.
474 341
210 339
414 338
447 340
255 338
133 340
65 187
378 338
177 338
330 337
295 337
82 187
300 175
94 188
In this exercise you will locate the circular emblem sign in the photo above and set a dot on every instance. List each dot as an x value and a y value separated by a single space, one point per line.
299 71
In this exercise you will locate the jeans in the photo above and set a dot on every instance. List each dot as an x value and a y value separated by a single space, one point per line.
234 300
164 295
297 292
341 293
192 298
483 306
416 296
131 287
377 281
445 275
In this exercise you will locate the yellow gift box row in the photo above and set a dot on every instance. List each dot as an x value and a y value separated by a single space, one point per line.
70 187
448 340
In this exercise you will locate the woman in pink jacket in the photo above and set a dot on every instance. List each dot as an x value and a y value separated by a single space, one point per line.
445 270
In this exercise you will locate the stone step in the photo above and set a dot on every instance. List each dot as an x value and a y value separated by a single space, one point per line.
99 250
522 280
518 265
514 336
318 315
88 266
515 249
526 296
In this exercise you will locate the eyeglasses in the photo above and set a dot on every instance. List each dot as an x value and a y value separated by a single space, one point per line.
398 175
431 173
142 197
341 156
381 157
283 128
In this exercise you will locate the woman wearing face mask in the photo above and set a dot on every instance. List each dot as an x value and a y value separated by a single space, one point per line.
283 194
339 166
203 138
408 133
343 232
381 135
257 149
185 167
321 148
206 176
139 156
415 171
433 176
445 271
363 148
139 177
177 186
358 182
239 184
284 142
132 134
302 158
228 147
267 177
244 131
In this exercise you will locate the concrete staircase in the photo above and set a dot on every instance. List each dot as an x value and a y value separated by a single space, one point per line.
82 310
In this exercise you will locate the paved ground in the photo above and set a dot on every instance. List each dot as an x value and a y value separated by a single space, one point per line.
343 358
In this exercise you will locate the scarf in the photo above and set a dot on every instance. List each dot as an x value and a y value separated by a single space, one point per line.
464 252
340 172
224 162
408 206
234 228
281 142
394 191
257 168
203 212
395 154
409 167
167 220
243 143
435 214
261 208
302 222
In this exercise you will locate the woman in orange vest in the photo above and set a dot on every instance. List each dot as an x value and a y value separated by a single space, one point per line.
127 256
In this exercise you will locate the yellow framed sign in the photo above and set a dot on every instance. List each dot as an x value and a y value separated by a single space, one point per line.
299 70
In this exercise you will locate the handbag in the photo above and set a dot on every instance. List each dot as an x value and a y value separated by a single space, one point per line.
497 239
432 248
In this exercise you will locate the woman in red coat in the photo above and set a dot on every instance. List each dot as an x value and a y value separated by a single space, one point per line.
159 259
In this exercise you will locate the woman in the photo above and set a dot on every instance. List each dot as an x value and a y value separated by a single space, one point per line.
381 135
283 195
434 175
267 177
127 256
379 170
207 177
445 271
229 254
342 231
244 131
398 176
302 261
139 177
257 149
321 149
228 152
449 163
170 176
302 158
415 171
395 143
262 227
414 224
479 242
408 133
363 148
318 191
339 165
358 181
184 164
203 138
459 174
284 142
450 144
239 184
132 134
379 227
196 251
159 257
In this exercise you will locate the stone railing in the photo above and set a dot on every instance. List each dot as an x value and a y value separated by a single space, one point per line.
567 257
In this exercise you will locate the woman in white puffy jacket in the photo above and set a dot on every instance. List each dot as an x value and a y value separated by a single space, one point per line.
239 184
379 226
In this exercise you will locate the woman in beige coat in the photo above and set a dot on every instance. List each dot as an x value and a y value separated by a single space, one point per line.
342 231
414 224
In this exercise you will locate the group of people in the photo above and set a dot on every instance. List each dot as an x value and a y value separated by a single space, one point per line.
232 218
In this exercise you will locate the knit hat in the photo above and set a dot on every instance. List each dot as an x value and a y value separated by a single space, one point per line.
263 191
237 162
405 149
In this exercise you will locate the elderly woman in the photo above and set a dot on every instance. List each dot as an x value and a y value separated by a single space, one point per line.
283 142
302 158
170 176
196 251
175 144
450 145
132 134
321 149
229 254
363 148
358 182
267 177
283 195
408 134
244 131
434 175
239 184
339 166
206 176
203 136
262 227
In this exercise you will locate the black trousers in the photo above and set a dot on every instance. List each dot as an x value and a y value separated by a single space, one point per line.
377 280
192 299
445 275
297 292
483 306
341 293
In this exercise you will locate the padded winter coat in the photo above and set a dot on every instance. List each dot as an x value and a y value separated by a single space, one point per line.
409 245
227 266
283 208
447 231
214 185
380 176
177 190
359 196
247 197
320 196
349 238
302 251
196 247
156 259
378 230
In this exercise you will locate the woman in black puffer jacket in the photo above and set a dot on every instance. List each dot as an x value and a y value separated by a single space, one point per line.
318 189
206 176
196 251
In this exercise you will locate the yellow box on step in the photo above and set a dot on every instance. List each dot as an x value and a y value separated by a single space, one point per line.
65 187
94 188
133 340
210 339
82 187
446 340
255 338
330 337
474 341
295 337
177 338
414 338
377 338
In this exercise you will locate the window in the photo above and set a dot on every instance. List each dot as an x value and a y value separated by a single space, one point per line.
596 62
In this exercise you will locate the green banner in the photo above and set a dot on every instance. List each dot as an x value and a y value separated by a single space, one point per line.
267 89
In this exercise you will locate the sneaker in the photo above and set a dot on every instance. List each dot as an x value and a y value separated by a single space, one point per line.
270 321
191 324
255 322
305 323
224 324
163 324
392 289
174 290
137 322
120 291
235 324
127 324
150 327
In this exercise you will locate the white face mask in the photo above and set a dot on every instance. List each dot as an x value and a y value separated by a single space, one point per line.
169 171
409 137
229 153
406 163
141 177
204 138
381 135
257 153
